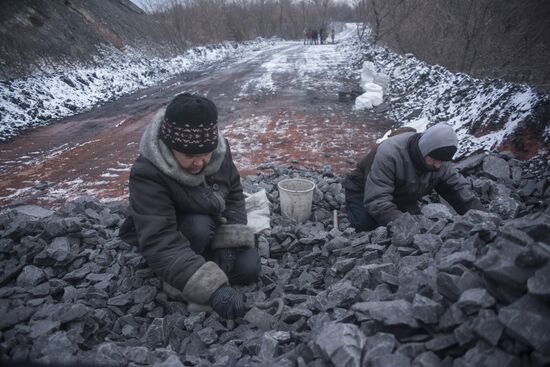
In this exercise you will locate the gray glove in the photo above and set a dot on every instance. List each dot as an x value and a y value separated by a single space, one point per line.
227 302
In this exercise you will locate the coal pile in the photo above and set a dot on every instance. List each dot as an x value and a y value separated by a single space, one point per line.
435 289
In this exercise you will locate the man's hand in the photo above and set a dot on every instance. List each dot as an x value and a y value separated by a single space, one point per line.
227 302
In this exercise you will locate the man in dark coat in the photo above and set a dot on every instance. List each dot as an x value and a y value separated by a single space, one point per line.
187 211
399 171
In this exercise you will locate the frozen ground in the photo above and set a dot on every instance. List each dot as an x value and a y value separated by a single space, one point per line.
278 102
53 94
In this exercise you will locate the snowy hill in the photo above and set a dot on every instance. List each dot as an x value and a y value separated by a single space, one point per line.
45 96
487 114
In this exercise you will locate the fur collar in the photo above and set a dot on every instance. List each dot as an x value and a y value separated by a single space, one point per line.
154 150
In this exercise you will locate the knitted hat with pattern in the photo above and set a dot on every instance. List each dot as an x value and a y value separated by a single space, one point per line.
190 124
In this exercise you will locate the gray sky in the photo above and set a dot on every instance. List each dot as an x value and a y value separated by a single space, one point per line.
140 3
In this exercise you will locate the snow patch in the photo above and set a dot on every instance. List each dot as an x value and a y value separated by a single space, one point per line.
48 95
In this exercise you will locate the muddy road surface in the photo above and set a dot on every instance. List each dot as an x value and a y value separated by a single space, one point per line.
276 105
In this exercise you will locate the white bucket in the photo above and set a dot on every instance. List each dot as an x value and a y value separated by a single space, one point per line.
296 196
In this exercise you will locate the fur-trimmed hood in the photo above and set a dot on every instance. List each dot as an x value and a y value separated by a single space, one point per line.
155 151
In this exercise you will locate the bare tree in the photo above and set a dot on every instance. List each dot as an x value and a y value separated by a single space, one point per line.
483 37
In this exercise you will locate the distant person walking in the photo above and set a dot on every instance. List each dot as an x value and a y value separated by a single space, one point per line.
307 36
314 36
399 171
332 35
187 212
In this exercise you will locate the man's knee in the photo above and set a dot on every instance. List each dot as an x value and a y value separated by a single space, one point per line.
247 267
358 216
199 230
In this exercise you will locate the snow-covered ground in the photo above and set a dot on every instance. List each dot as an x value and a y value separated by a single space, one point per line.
280 102
484 112
48 95
418 94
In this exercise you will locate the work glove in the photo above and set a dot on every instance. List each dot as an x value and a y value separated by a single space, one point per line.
227 302
225 258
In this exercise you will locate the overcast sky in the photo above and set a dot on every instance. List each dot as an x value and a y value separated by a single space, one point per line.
140 3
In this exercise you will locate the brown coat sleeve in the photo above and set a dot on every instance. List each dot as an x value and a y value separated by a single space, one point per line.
235 210
165 249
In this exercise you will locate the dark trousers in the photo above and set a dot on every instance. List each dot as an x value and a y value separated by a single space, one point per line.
200 230
358 216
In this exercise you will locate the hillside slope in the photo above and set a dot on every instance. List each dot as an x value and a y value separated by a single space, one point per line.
37 33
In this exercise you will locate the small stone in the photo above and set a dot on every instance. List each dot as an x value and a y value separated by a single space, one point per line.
120 300
342 344
482 355
16 316
193 320
43 327
34 211
368 275
539 284
403 230
59 249
487 326
464 334
268 348
469 280
390 360
426 359
113 353
30 276
437 211
441 342
496 168
260 318
344 265
498 264
70 312
427 243
506 207
411 349
536 225
60 349
171 361
280 336
528 320
154 336
461 257
474 299
447 285
140 355
292 315
451 318
470 163
426 310
389 313
379 344
145 294
207 335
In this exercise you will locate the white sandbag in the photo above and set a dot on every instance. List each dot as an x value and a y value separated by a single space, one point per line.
369 74
371 87
369 99
257 211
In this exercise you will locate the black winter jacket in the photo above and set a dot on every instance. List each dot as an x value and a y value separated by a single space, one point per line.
160 191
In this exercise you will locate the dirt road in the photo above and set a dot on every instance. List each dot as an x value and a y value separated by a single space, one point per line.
279 104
